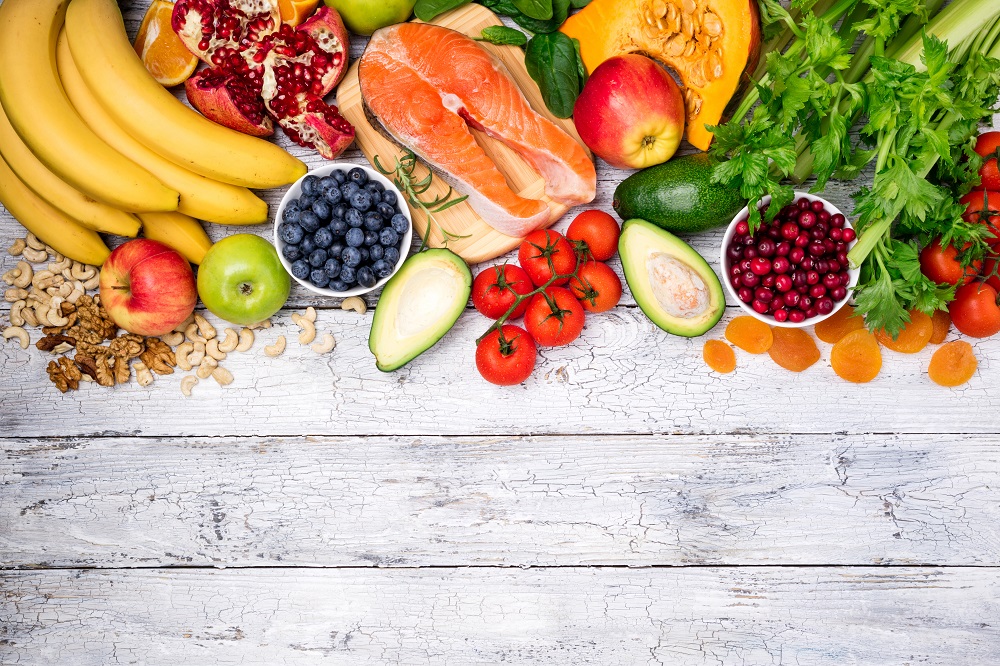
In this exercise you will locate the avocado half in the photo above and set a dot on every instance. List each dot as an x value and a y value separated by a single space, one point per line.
673 284
419 304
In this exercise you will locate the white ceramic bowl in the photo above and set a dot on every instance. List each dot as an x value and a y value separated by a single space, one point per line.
295 191
766 318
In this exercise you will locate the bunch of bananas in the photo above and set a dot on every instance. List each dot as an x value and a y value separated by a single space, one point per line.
90 142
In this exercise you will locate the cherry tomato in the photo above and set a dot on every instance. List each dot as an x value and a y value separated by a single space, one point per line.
984 207
598 230
975 311
554 327
496 288
506 356
596 286
942 265
988 147
541 245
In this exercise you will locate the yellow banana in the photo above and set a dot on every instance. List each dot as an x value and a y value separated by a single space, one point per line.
201 197
180 232
151 114
92 214
51 225
38 109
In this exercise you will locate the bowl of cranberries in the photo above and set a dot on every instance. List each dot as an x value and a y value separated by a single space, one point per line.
791 272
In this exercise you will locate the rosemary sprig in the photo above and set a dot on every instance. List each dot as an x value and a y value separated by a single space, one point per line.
402 174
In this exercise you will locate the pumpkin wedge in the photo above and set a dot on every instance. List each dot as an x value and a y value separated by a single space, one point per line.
712 45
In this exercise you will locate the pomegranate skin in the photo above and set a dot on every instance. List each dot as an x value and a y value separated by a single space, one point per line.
219 97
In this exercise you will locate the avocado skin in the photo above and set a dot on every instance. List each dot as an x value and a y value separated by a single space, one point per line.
398 282
632 245
678 196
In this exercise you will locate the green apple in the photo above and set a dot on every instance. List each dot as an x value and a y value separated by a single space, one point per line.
366 16
242 280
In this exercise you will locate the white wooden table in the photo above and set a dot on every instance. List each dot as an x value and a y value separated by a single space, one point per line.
623 506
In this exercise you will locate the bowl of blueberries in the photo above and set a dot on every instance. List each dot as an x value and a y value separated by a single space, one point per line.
342 230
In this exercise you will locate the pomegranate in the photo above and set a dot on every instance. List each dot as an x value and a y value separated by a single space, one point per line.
260 67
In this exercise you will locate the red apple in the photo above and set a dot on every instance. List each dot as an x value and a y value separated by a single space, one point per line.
631 112
147 287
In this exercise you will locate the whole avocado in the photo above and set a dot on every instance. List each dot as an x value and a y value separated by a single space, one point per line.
678 196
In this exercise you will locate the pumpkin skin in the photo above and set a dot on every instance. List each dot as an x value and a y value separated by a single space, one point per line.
712 45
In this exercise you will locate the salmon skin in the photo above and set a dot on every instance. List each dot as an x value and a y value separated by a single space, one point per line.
426 85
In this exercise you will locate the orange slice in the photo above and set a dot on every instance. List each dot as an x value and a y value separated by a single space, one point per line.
294 12
162 51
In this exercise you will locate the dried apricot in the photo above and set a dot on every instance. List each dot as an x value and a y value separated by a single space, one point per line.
719 356
840 323
749 334
953 364
856 357
793 349
942 324
914 336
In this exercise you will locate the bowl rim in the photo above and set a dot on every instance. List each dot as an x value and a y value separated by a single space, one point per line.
295 190
724 263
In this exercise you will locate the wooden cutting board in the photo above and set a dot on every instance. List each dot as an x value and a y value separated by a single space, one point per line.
482 242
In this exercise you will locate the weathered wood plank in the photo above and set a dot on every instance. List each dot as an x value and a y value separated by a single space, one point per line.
500 501
946 617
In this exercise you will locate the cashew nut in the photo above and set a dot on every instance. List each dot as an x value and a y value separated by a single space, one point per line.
173 338
33 242
207 367
56 257
74 296
204 327
325 345
19 333
212 350
195 357
67 275
55 317
181 354
277 349
246 340
223 376
354 303
143 374
187 384
191 333
310 314
308 333
42 313
17 247
184 324
29 316
92 283
34 256
62 348
65 289
60 266
82 271
11 275
15 313
261 324
229 343
15 294
26 275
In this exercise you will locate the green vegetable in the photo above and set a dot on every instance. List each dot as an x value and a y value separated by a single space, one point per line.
536 9
428 10
501 34
560 11
552 61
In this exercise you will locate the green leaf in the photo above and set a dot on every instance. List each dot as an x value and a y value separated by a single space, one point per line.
428 10
560 11
501 34
877 301
551 61
579 4
536 9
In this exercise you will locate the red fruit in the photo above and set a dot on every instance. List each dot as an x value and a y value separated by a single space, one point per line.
941 264
554 318
984 207
496 288
975 311
506 357
289 70
598 230
597 286
539 248
988 147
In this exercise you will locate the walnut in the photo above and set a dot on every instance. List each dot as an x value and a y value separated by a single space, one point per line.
105 376
91 349
87 365
158 357
127 346
122 369
93 323
51 341
64 374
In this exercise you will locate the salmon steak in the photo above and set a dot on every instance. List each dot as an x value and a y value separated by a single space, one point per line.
427 85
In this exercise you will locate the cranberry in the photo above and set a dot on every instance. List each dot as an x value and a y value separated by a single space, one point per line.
763 295
796 316
805 303
803 204
842 258
817 291
774 306
761 266
806 263
831 280
735 281
821 266
823 216
745 265
759 307
837 220
802 240
750 280
734 252
789 230
849 235
796 255
735 271
812 277
790 211
742 228
833 266
830 246
768 280
824 306
773 233
749 252
792 298
777 302
745 239
766 248
745 294
783 248
836 234
783 283
799 278
811 312
781 315
845 278
817 234
816 206
838 294
816 249
807 219
781 265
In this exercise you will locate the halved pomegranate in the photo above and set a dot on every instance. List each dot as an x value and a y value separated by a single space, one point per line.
289 70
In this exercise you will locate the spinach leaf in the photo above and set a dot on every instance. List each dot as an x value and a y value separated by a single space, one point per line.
560 11
427 10
536 9
501 34
552 62
579 4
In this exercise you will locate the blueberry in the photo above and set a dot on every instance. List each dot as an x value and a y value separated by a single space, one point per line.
354 218
337 285
310 185
317 258
347 189
306 202
379 265
348 275
364 255
290 233
374 186
310 221
351 257
371 238
339 176
339 211
355 237
384 271
358 176
338 227
293 205
373 221
291 252
291 214
389 238
307 245
389 197
385 210
376 198
322 210
336 249
391 256
361 200
319 278
333 196
323 237
376 252
300 269
366 277
332 267
400 224
327 183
